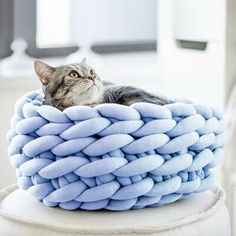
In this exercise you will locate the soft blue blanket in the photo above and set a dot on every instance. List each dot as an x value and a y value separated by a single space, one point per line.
113 156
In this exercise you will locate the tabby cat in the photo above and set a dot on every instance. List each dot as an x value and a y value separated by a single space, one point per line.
79 84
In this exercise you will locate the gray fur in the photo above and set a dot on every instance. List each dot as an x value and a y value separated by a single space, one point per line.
62 91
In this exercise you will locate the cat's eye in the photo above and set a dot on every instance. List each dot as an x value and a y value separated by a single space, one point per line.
74 74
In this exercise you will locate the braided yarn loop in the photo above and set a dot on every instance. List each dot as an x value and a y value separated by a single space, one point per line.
113 156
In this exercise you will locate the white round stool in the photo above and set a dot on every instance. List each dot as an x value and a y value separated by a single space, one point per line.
203 214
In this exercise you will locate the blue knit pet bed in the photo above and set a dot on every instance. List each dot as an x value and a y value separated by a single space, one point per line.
113 156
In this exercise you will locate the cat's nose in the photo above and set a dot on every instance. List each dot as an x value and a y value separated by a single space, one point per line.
91 78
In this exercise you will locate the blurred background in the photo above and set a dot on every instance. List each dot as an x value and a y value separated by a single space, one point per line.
181 49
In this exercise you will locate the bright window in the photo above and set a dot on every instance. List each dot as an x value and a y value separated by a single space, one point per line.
53 27
64 22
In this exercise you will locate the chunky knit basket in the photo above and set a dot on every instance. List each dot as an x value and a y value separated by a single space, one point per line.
114 156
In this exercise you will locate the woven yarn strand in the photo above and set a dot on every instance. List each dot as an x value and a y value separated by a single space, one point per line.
113 156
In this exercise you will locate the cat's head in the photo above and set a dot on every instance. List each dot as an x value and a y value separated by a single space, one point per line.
69 85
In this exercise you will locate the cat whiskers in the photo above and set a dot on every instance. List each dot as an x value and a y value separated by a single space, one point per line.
60 100
51 99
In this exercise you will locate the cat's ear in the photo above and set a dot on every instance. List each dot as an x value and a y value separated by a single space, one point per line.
43 71
84 60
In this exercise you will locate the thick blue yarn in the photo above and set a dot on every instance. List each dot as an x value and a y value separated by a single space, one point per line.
113 156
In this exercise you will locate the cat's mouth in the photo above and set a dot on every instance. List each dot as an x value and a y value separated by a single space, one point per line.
92 86
95 84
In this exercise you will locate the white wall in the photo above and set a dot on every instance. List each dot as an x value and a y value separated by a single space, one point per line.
114 21
197 75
